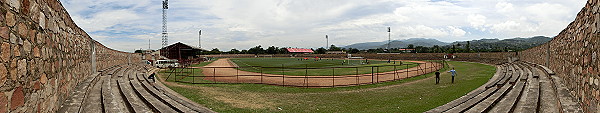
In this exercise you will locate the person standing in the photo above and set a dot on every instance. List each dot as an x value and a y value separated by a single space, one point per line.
453 74
437 77
152 76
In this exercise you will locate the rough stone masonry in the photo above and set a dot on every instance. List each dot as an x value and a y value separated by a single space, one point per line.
43 55
573 56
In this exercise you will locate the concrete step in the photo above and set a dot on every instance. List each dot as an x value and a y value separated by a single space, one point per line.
112 71
507 76
172 99
132 100
74 102
107 96
487 104
567 102
516 74
500 73
548 100
507 103
471 102
528 103
161 96
93 101
527 71
155 103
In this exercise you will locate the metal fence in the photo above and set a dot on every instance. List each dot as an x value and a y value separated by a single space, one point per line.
351 75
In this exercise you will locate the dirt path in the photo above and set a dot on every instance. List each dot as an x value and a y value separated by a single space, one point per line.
221 71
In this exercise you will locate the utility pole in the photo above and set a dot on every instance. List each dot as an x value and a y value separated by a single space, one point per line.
165 35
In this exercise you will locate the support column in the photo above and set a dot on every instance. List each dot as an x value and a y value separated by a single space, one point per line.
93 56
548 54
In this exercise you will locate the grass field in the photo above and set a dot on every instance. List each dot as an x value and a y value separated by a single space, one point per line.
282 66
415 94
180 75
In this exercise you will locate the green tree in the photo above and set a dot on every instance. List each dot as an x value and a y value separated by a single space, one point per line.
234 51
410 46
321 50
353 50
436 49
272 50
283 51
256 50
215 51
334 48
468 47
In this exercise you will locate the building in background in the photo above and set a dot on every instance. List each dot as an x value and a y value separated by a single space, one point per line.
180 51
299 50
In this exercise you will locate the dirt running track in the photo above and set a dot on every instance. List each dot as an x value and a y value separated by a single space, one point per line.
223 70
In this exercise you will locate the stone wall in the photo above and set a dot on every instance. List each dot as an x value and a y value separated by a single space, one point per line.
43 55
573 56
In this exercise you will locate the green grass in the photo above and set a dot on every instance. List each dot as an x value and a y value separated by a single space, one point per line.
183 75
327 67
415 94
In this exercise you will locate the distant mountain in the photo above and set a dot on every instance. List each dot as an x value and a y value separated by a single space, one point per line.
398 43
514 43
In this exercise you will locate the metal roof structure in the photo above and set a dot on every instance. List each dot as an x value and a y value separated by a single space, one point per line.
299 50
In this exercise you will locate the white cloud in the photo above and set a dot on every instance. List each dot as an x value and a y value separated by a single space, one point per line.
103 20
504 7
477 20
456 32
303 23
422 31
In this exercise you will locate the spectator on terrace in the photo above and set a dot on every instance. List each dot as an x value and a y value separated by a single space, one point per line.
152 77
453 74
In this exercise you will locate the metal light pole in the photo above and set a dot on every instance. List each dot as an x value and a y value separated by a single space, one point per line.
165 35
327 38
389 40
200 39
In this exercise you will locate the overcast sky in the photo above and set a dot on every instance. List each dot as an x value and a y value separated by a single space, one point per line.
128 24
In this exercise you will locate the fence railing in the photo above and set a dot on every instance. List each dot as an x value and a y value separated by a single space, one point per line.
311 76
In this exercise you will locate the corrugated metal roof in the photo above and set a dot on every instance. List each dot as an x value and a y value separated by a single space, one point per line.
299 50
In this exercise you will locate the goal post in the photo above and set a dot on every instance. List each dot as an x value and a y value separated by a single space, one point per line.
349 60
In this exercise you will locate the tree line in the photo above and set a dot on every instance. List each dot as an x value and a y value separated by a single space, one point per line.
454 48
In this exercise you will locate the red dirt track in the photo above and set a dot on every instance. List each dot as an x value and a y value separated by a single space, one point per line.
222 70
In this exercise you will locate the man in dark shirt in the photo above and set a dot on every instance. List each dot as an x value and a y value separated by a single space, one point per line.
152 76
437 77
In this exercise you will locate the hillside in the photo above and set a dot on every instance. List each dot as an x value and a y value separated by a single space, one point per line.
513 44
482 44
398 43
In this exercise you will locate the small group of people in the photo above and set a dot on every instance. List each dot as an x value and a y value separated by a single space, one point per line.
437 76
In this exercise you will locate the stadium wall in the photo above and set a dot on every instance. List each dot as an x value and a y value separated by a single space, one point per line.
43 55
573 56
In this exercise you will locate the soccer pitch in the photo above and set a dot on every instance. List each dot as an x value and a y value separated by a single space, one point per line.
322 67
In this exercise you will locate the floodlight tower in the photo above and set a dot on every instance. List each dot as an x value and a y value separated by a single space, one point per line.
165 35
200 39
327 38
389 39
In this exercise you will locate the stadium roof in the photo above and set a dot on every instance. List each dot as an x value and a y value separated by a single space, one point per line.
299 50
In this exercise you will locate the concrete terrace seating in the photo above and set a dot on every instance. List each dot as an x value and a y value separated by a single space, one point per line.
516 87
125 88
